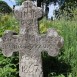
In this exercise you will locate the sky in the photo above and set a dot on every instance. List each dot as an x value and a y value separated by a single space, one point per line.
52 8
10 2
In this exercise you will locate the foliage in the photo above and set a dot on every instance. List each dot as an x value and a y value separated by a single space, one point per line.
67 11
4 8
8 67
8 22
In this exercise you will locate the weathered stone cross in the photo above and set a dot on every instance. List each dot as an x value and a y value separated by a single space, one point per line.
29 42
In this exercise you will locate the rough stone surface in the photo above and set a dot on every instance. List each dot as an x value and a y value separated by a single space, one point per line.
30 67
29 42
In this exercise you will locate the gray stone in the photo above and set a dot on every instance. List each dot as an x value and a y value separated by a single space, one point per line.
29 42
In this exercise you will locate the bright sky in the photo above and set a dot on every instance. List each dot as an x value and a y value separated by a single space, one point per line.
10 2
52 8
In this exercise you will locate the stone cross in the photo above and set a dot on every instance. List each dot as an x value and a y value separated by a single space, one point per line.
29 42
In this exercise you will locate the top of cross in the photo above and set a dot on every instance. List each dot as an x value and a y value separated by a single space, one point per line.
27 11
28 14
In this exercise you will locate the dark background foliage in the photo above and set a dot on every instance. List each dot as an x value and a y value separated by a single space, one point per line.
4 8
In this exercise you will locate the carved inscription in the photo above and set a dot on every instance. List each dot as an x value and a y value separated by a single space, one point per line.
33 67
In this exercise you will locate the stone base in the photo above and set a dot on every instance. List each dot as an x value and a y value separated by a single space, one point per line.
30 67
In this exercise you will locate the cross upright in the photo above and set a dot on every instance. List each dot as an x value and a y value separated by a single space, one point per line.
29 42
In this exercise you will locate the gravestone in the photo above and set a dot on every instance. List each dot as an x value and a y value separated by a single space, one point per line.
29 42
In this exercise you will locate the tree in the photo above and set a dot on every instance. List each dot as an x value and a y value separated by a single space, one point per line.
4 8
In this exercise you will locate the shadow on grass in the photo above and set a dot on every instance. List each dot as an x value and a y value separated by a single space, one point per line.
52 67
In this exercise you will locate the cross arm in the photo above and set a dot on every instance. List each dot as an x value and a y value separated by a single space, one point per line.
54 34
52 42
56 42
9 43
